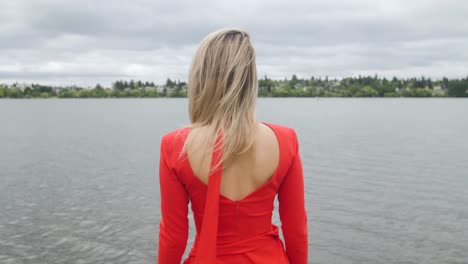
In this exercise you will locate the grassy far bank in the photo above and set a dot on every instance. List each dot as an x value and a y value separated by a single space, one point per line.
366 86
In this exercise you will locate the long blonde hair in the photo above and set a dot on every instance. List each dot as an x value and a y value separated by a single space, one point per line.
222 92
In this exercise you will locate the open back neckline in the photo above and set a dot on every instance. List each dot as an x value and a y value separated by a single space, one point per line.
268 182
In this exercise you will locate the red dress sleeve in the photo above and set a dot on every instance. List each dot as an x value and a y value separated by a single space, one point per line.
292 210
173 228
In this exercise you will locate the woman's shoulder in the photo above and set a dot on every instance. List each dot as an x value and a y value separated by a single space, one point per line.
282 130
287 140
175 136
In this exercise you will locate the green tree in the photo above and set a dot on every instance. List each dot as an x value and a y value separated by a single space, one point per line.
14 93
265 86
64 93
170 83
458 88
118 85
98 91
366 91
44 95
294 81
282 92
391 94
136 93
421 92
84 93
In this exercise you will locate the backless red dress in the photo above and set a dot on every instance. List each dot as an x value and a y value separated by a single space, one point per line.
231 231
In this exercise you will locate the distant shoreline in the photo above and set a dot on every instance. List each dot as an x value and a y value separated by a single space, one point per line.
260 97
366 86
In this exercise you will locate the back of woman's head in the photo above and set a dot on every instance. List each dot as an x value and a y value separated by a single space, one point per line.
222 90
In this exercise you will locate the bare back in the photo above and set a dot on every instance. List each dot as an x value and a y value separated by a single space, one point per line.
248 171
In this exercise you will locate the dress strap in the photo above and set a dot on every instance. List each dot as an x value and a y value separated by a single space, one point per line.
206 252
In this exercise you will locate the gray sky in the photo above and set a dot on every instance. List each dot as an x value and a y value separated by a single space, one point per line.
89 41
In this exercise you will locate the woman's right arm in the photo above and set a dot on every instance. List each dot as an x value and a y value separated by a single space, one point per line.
173 228
292 210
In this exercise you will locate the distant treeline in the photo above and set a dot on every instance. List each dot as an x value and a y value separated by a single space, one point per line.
361 86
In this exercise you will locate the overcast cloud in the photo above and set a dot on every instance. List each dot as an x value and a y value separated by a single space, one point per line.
85 42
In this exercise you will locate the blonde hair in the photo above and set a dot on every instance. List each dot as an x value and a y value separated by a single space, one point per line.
222 91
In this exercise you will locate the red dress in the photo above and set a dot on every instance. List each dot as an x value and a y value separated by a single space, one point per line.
234 231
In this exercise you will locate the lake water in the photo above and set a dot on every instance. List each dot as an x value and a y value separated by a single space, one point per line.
386 179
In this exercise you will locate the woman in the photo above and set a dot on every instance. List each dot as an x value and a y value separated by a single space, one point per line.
230 167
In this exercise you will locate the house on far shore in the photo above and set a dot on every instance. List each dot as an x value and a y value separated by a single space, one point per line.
56 90
160 88
20 86
149 88
438 90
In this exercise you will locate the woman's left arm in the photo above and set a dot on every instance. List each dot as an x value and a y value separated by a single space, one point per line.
173 228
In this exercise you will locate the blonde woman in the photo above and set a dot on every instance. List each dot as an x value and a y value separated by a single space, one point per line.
230 167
